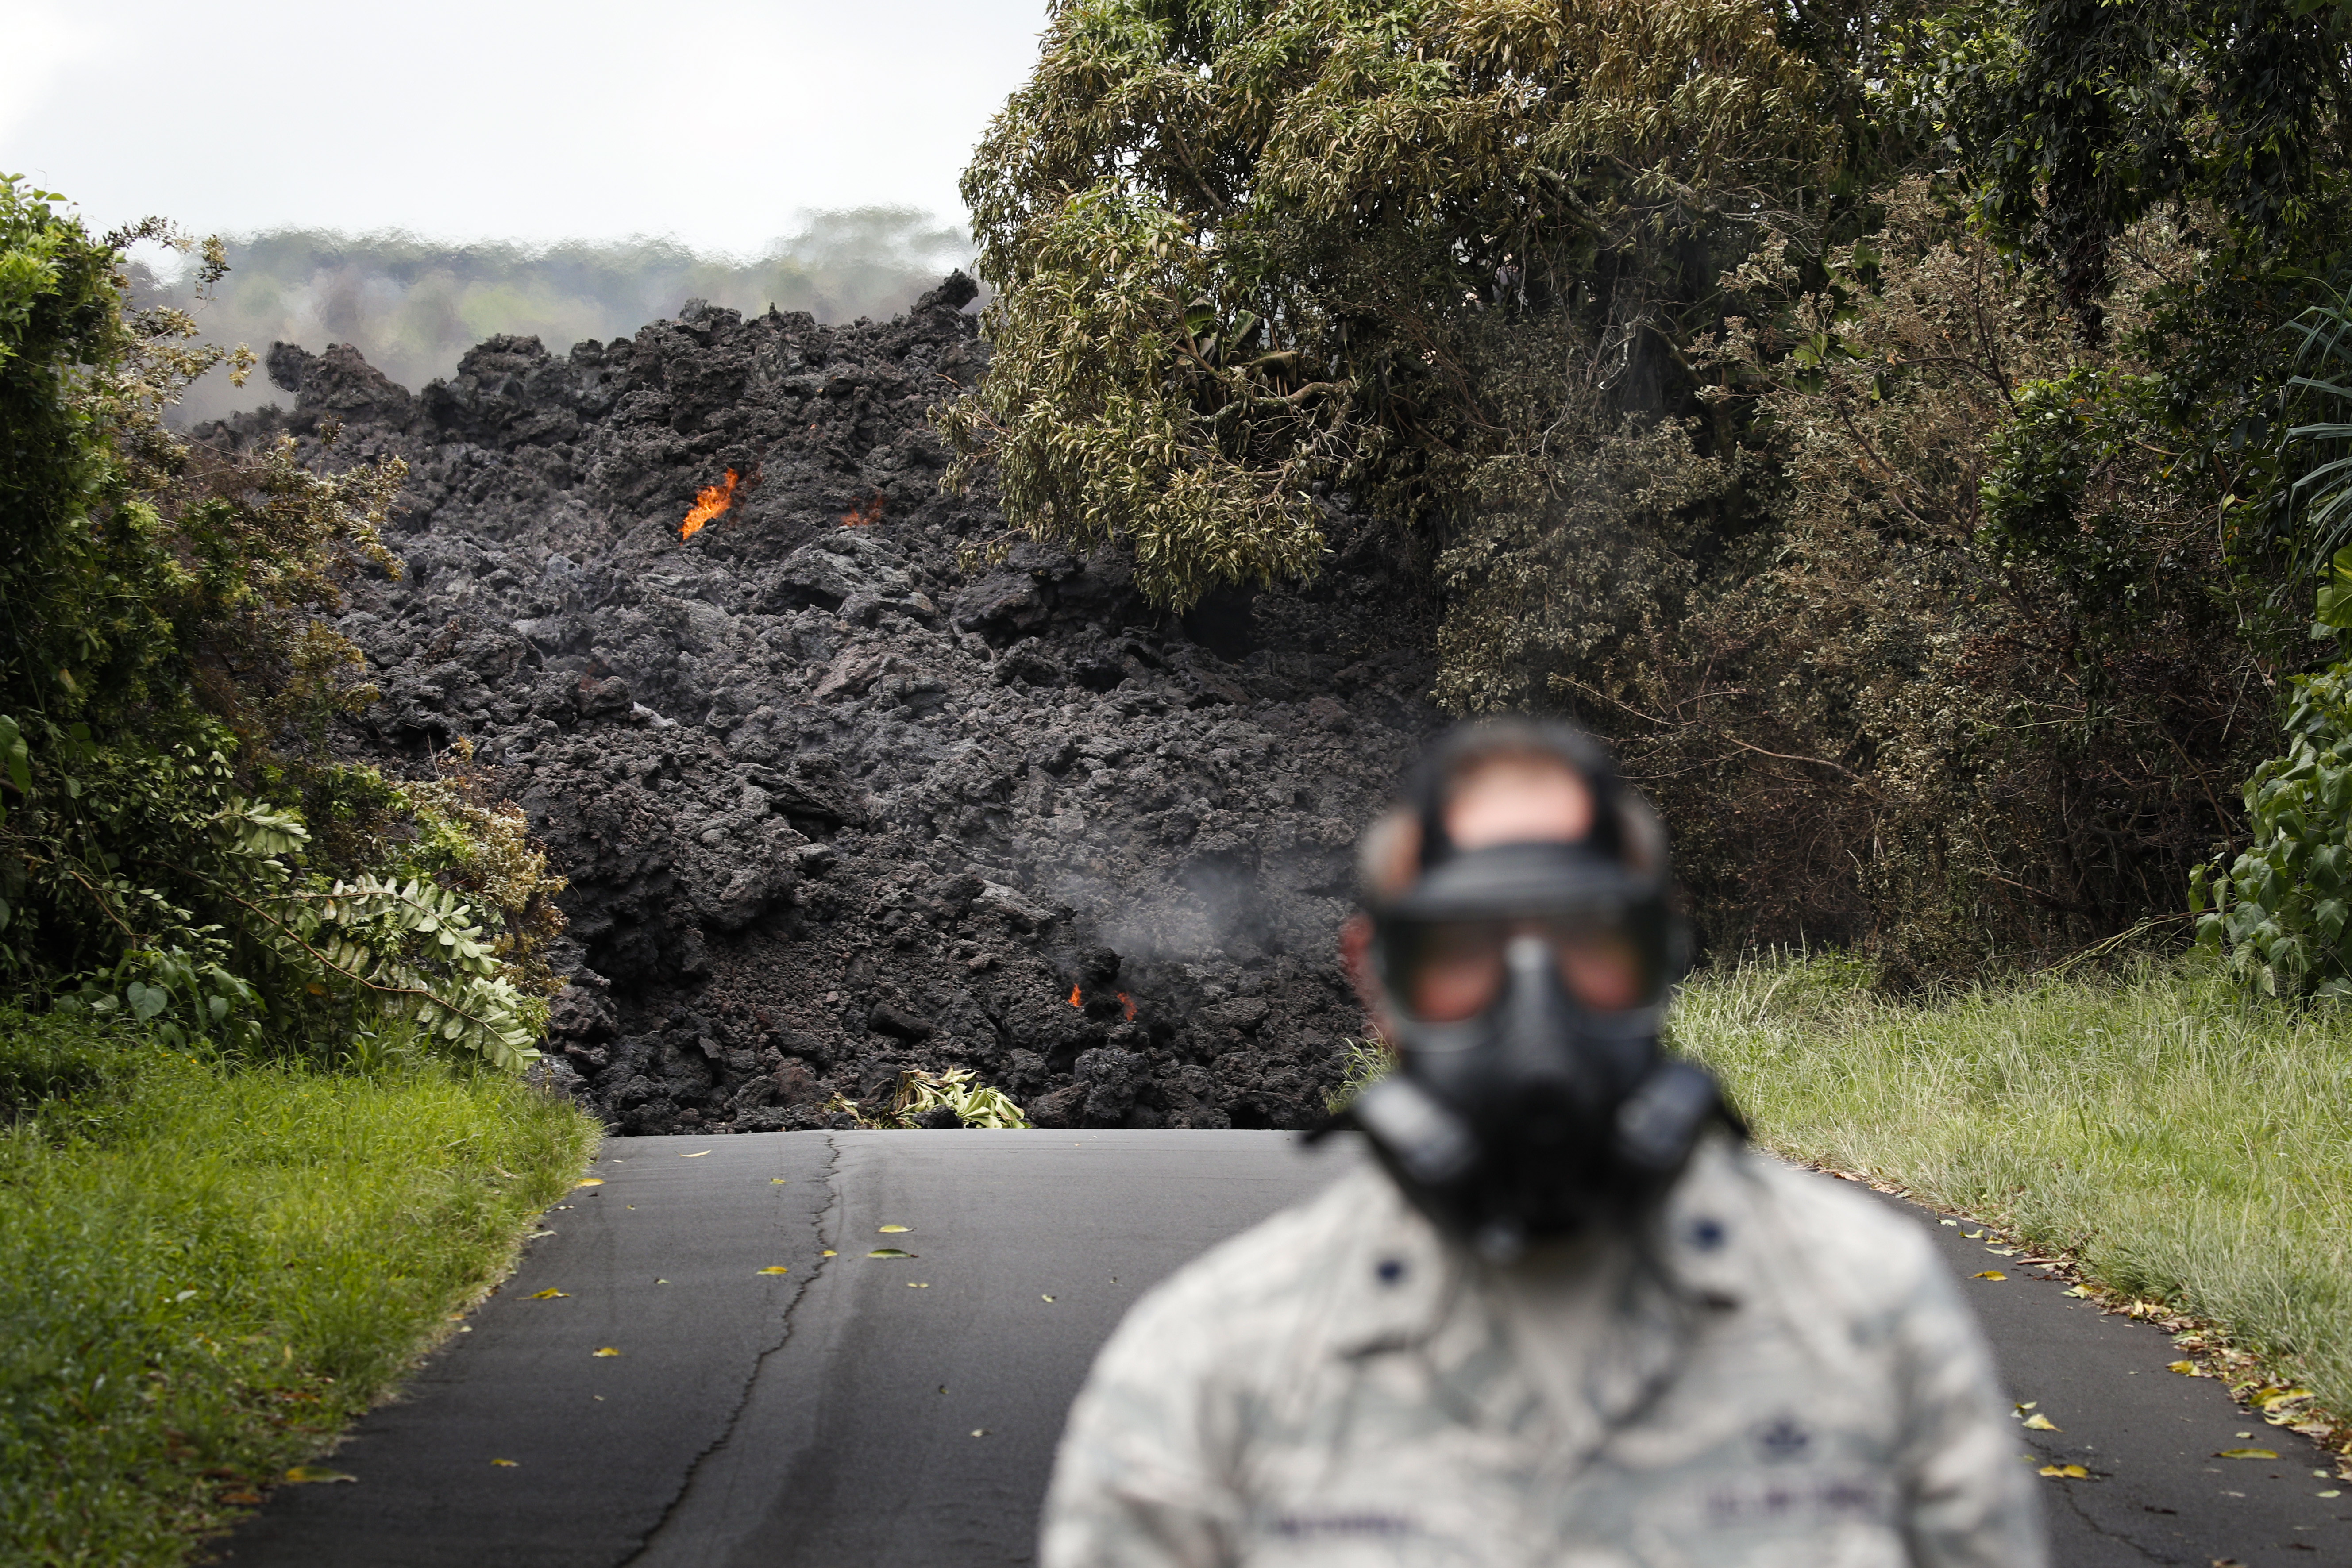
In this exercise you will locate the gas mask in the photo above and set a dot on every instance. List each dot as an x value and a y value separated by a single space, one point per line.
1527 982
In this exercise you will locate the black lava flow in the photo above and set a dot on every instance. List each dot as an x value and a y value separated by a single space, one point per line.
839 794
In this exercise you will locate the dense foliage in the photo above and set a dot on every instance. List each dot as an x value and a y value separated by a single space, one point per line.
175 844
1871 419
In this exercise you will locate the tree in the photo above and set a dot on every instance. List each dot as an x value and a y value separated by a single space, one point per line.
2076 118
1247 253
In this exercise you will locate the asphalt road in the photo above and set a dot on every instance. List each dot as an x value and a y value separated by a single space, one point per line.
900 1412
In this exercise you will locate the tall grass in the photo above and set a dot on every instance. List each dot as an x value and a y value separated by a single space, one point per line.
210 1267
2187 1146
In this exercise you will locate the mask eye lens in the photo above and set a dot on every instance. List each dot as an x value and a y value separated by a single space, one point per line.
1455 972
1598 966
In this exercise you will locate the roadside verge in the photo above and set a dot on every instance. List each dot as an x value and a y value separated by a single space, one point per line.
213 1267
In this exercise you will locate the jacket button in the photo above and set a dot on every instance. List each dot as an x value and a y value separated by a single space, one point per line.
1389 1270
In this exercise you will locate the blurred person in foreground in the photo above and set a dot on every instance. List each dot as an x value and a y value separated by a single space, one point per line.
1569 1318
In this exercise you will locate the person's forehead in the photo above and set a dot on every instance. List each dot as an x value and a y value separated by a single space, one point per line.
1515 797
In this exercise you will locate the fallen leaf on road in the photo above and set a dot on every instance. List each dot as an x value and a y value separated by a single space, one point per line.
1044 1298
2002 1251
893 1229
697 1154
2328 1494
980 1431
2080 1290
506 1464
315 1475
537 1233
1989 1274
1972 1236
775 1269
2185 1368
778 1182
589 1182
550 1294
2066 1472
2245 1454
891 1252
2037 1421
919 1284
829 1252
606 1349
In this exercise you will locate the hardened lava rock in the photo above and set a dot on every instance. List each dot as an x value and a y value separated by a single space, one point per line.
842 785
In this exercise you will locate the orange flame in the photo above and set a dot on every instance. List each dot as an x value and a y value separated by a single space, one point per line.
1076 1001
864 513
1128 1003
714 500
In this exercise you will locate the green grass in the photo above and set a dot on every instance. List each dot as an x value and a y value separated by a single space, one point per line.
2186 1145
209 1268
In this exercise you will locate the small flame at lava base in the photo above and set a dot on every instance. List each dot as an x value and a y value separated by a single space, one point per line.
714 500
1077 999
865 514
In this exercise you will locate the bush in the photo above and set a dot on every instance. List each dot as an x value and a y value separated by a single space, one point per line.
166 689
2279 913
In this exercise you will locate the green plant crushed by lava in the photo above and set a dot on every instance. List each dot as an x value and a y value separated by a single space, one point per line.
974 1104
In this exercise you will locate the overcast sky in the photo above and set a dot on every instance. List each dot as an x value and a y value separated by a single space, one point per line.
711 120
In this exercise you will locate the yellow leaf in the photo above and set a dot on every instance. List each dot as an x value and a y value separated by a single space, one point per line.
829 1253
919 1284
697 1154
778 1182
775 1269
2245 1454
589 1182
505 1464
2080 1290
2331 1493
607 1349
550 1294
1044 1298
891 1252
1973 1235
2066 1472
2185 1368
2285 1396
1989 1274
2037 1421
315 1475
894 1230
980 1431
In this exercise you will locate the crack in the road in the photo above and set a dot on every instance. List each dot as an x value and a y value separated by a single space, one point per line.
826 1226
2074 1501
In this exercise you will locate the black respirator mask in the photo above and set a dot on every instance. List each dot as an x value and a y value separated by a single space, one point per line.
1527 982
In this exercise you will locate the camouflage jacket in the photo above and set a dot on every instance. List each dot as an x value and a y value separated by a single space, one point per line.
1777 1371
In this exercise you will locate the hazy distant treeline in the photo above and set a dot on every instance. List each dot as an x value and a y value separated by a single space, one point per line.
413 306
